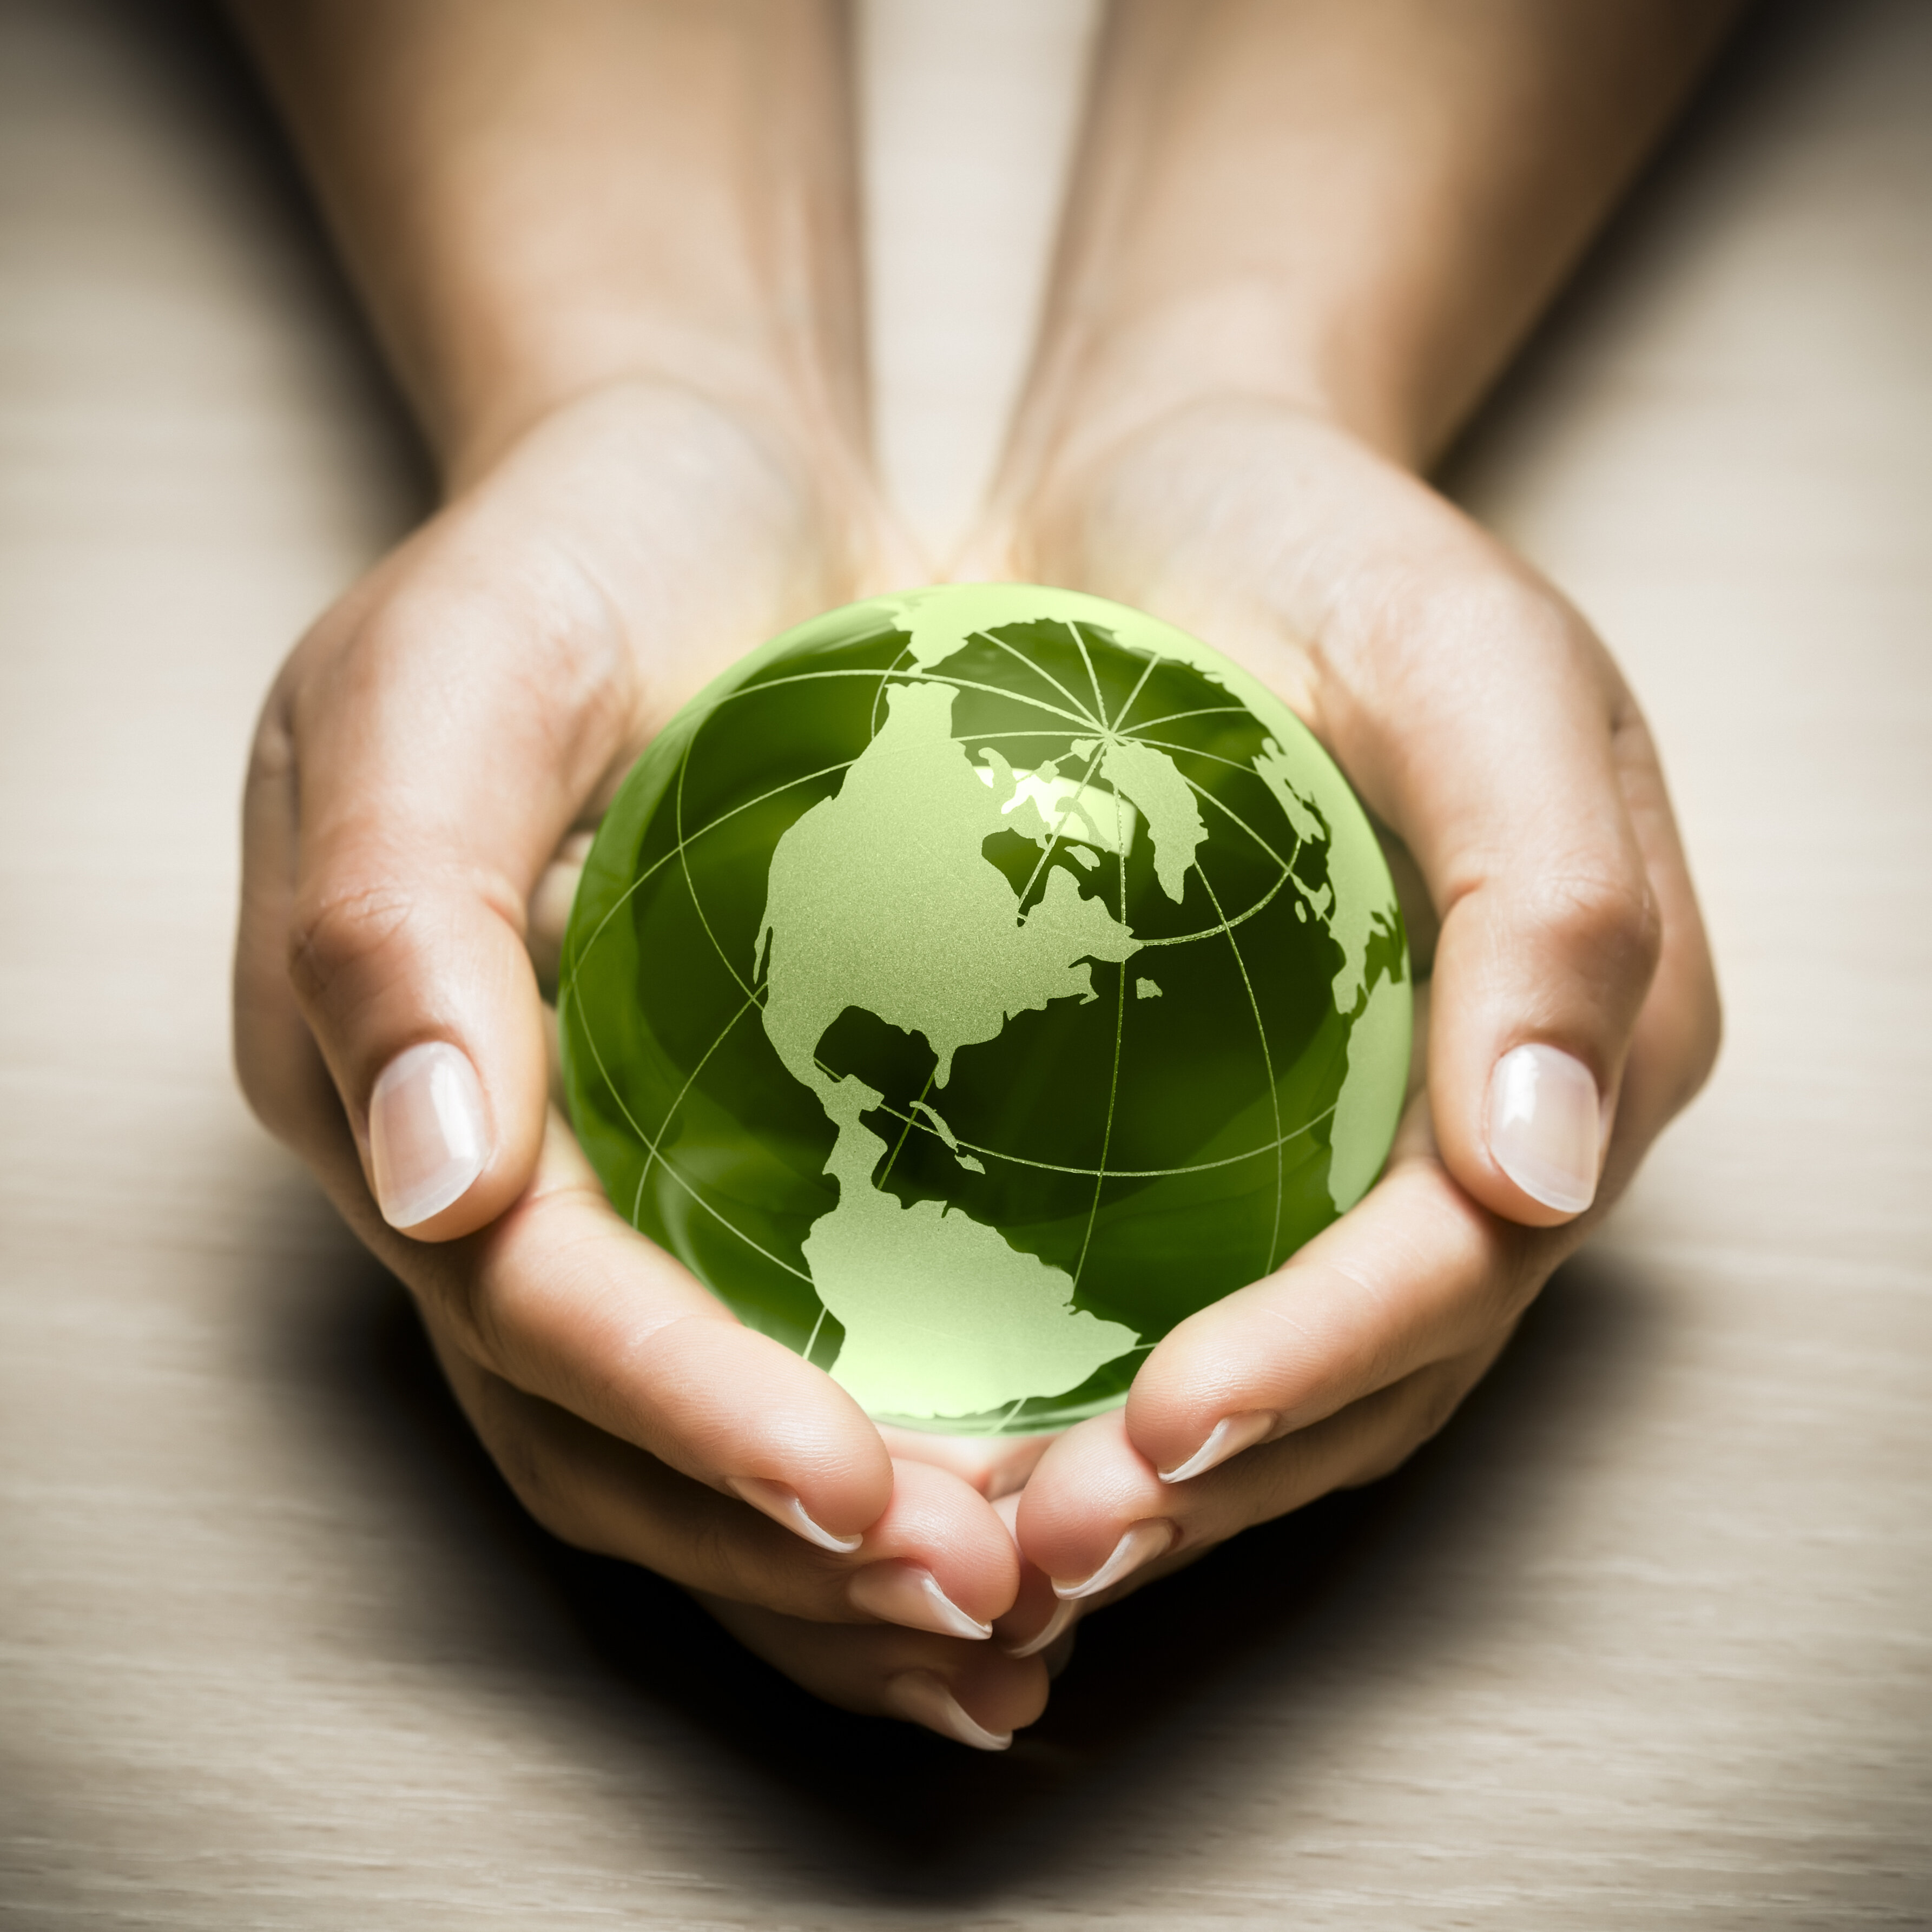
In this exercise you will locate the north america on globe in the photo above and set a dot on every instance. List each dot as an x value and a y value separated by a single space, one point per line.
972 983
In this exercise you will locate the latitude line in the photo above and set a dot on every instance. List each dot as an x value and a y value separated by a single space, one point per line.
1273 1147
671 1112
998 691
670 1167
1240 918
684 855
906 1131
878 695
1205 711
711 825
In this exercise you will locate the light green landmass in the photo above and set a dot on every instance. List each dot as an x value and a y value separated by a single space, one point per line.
946 1134
881 898
1358 877
1146 989
1153 781
1051 810
941 1317
944 618
1371 1090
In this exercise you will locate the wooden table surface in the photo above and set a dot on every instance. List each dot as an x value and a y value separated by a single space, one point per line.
1642 1641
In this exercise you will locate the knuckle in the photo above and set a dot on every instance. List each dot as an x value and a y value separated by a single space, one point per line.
1605 915
341 927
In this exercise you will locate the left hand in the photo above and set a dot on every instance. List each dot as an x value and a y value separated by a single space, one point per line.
1574 1008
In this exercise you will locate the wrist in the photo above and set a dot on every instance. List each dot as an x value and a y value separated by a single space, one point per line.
1113 382
488 400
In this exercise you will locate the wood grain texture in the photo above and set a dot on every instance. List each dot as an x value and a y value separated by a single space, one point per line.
1642 1641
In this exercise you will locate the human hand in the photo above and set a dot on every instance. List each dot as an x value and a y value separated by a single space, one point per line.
430 746
1573 1008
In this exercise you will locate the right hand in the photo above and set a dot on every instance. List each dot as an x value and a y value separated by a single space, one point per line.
429 747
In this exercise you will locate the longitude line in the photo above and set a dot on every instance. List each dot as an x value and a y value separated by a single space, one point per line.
1042 671
1113 1093
1268 1067
1080 644
1053 842
1153 658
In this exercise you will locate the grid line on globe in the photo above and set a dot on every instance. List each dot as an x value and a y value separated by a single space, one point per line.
961 1033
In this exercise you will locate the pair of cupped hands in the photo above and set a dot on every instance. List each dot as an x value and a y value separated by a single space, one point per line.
433 753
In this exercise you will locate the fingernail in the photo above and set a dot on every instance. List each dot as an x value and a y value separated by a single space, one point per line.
1229 1437
1064 1614
1143 1542
428 1139
905 1593
782 1505
920 1695
1545 1126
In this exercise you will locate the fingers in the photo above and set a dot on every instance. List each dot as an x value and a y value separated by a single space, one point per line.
1416 1273
974 1694
936 1559
561 1300
1327 1372
995 1465
1098 1519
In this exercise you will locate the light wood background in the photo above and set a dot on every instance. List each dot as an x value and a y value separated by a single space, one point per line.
1642 1641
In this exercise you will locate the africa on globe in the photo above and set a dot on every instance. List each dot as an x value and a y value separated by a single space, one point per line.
971 984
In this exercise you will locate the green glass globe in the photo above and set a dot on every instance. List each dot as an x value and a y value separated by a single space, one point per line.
970 984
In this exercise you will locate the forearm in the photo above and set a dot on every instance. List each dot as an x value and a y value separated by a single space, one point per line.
1357 207
537 201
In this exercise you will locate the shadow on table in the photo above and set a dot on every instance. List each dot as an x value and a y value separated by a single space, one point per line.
1256 1653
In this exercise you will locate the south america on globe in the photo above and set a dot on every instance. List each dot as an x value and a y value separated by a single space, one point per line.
971 984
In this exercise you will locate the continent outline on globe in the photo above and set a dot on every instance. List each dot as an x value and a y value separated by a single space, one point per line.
940 894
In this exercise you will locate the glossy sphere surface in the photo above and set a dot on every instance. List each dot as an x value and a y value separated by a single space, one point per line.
971 984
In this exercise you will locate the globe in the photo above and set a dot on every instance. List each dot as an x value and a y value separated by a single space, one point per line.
971 984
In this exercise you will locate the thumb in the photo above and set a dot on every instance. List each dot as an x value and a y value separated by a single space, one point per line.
442 743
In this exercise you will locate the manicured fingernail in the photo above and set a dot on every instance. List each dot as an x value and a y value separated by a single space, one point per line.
921 1696
1229 1437
1545 1126
1064 1614
782 1505
428 1139
1143 1542
905 1593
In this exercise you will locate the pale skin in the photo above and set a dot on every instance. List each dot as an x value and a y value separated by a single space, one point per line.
610 247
